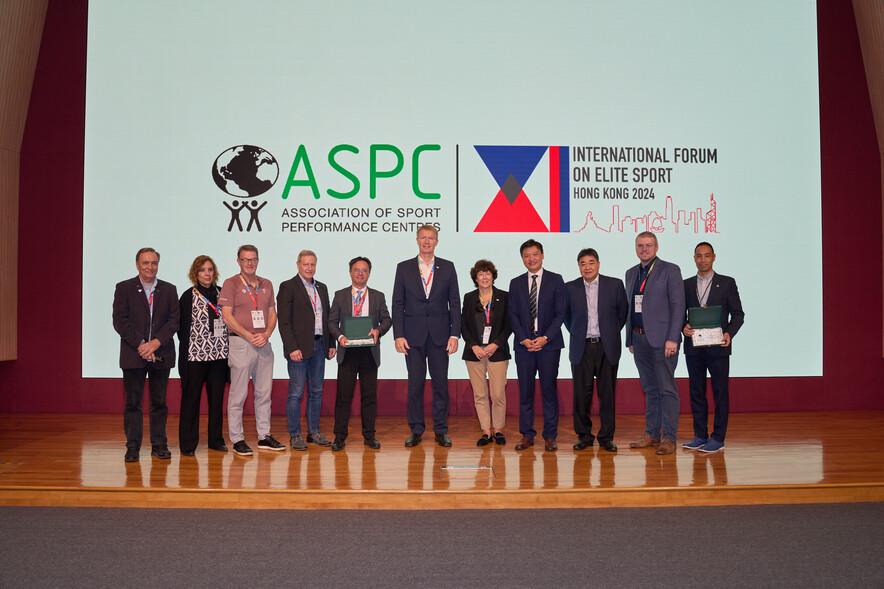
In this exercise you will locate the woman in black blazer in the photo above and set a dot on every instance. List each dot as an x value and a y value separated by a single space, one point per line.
485 329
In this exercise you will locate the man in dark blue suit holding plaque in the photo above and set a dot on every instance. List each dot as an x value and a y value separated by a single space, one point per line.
426 328
537 310
706 290
596 313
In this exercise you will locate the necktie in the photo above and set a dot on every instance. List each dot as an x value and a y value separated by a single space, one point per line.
532 302
359 296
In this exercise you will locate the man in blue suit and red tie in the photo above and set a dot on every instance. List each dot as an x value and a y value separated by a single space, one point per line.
537 310
653 332
597 309
426 328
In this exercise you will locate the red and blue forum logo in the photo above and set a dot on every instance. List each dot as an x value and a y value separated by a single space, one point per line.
512 210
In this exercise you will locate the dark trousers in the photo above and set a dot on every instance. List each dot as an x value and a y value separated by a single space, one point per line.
419 357
594 366
719 369
213 374
133 416
544 364
358 362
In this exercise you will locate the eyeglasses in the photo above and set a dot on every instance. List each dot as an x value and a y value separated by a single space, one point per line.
360 270
249 260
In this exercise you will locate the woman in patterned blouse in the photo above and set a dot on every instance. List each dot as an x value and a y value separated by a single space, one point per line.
203 351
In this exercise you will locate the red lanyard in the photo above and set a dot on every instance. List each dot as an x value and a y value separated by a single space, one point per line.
429 279
207 301
487 309
642 287
358 303
249 288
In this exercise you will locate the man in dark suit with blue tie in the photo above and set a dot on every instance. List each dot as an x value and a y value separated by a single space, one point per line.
537 311
596 313
146 316
358 300
426 328
710 289
653 332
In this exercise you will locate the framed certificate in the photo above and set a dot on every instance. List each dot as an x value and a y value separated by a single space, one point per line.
356 330
706 323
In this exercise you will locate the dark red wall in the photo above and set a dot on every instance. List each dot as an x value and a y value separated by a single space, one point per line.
46 377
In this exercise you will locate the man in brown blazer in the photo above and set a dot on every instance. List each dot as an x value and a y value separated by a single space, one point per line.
146 314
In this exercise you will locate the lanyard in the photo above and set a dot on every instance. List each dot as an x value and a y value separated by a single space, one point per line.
249 288
705 291
487 308
358 302
426 281
642 287
315 300
207 301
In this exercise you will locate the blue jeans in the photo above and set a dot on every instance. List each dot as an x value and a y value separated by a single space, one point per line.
311 372
657 375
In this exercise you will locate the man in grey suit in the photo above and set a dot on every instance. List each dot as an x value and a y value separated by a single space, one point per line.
596 313
653 333
358 300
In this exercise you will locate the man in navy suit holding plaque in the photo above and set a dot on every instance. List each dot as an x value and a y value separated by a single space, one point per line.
537 310
710 289
426 327
597 309
358 300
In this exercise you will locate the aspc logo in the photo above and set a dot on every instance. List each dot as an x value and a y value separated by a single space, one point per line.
512 209
244 172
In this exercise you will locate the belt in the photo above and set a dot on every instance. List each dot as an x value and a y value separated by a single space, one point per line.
638 329
593 340
316 337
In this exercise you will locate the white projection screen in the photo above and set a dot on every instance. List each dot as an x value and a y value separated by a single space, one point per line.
341 126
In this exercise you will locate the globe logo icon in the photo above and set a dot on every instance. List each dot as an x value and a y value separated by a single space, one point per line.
245 171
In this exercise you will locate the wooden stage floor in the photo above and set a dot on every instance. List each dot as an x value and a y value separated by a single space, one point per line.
77 460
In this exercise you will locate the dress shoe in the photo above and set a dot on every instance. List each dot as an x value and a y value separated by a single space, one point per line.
338 445
161 451
525 443
413 440
372 443
582 444
132 455
666 447
187 452
550 445
608 445
500 439
443 440
221 448
644 442
484 440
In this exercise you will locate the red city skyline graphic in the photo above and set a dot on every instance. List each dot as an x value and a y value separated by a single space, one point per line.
657 223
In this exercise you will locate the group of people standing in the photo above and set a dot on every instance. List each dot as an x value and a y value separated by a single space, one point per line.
224 334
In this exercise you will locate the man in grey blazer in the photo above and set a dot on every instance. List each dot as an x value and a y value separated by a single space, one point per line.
653 333
357 300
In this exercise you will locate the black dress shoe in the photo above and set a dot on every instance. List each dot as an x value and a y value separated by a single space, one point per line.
582 445
499 439
443 440
338 445
608 445
132 455
372 443
484 440
221 448
161 451
187 452
413 440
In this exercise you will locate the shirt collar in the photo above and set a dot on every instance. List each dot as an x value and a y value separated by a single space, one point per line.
594 281
149 286
539 273
307 284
